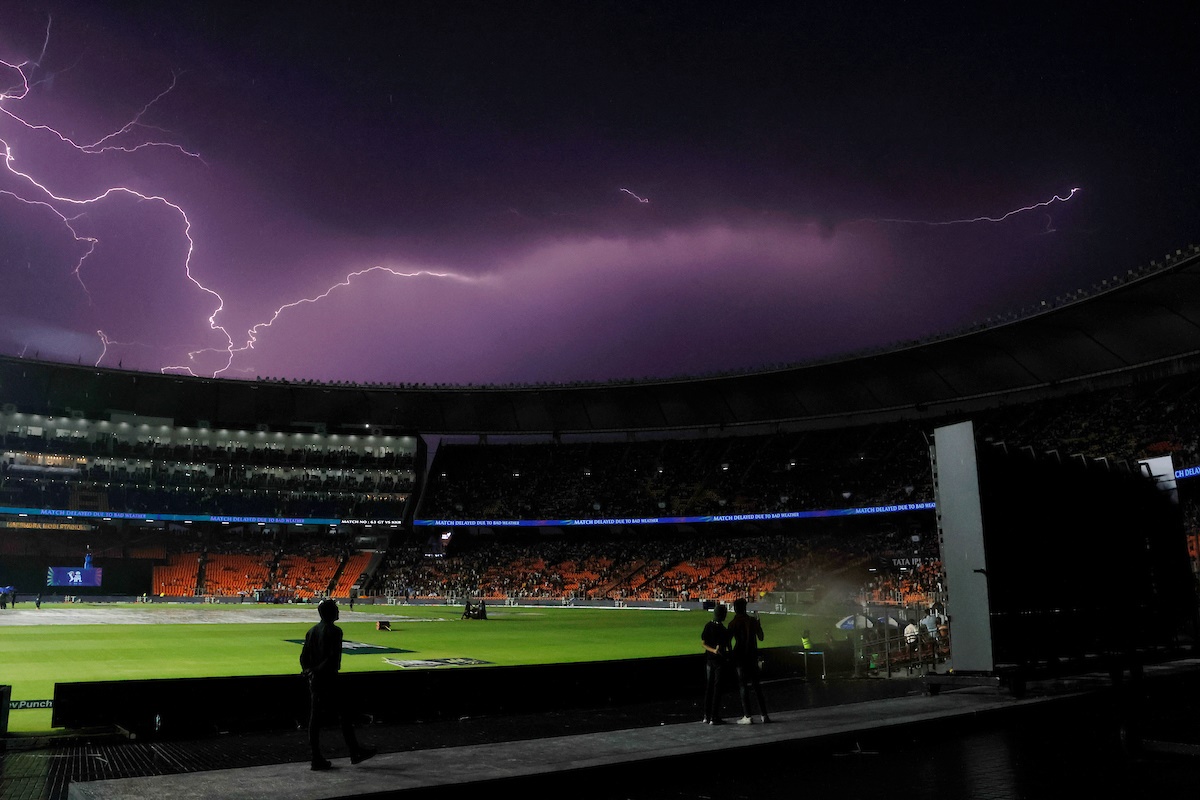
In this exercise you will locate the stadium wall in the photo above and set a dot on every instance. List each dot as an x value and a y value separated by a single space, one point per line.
163 709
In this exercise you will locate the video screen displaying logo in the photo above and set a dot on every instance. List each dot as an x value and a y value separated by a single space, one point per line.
78 577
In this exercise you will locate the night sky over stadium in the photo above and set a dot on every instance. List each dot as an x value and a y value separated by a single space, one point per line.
501 192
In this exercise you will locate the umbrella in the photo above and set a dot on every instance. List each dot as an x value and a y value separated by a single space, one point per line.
853 621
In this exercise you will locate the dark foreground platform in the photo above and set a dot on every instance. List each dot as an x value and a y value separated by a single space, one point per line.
1082 732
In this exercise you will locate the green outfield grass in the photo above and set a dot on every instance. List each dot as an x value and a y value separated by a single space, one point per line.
35 657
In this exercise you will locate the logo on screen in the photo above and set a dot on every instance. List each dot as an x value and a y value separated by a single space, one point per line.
77 577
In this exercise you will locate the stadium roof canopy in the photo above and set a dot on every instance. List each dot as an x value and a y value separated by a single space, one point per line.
1145 321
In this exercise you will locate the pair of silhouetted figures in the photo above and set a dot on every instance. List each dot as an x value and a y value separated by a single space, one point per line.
736 646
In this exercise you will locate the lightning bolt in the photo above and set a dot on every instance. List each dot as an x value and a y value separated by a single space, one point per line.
39 194
107 142
1055 199
253 332
635 197
51 199
106 342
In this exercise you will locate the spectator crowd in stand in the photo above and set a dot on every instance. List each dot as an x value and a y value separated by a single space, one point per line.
642 564
884 464
102 473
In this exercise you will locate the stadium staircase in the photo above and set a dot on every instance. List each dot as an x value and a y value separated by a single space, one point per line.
620 580
372 567
200 570
350 569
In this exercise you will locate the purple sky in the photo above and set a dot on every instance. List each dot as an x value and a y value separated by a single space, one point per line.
453 192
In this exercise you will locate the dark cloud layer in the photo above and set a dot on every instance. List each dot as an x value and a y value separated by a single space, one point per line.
453 192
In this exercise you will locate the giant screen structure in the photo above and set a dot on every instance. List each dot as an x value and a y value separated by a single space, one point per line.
1049 561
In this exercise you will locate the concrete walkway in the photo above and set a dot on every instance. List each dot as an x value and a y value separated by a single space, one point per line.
456 768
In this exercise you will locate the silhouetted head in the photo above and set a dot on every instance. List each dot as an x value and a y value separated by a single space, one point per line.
739 606
719 612
328 609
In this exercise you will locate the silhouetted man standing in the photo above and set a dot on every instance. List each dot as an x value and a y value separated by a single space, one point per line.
715 640
320 661
746 632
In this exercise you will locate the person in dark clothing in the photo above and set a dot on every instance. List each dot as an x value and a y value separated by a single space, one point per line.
321 661
746 632
715 639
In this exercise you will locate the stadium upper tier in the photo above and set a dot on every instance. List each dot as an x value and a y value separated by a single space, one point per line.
1146 319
